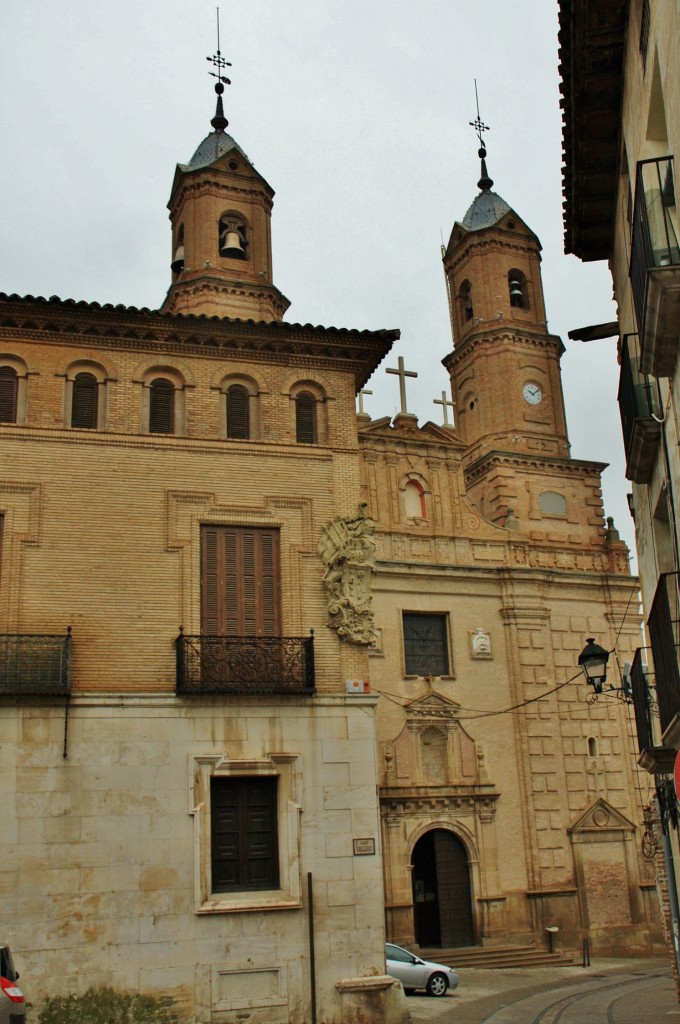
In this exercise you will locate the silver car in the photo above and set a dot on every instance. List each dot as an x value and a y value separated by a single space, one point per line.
12 1005
415 973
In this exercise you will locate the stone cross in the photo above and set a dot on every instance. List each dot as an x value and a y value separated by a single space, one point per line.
361 400
402 374
446 404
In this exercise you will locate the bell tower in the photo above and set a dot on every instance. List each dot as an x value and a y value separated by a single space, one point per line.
505 366
506 381
220 212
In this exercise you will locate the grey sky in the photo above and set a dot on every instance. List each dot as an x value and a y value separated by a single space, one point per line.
355 111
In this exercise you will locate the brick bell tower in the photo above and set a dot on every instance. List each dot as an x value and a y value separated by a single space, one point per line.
220 211
506 381
505 366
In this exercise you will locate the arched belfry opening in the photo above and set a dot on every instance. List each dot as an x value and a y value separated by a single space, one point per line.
442 892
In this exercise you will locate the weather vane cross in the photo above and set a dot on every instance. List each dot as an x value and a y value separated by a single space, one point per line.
478 124
219 62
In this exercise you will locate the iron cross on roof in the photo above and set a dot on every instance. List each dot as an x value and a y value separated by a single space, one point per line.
402 374
478 124
219 62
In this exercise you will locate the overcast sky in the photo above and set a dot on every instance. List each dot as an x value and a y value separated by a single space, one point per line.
355 111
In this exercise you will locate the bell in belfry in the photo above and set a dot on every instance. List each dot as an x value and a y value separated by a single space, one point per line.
232 239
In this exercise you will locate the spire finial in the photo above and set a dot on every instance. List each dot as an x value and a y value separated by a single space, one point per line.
219 121
485 181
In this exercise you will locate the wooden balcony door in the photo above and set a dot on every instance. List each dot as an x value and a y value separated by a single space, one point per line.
239 581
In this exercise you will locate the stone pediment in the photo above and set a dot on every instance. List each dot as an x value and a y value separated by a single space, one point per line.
601 817
405 428
432 705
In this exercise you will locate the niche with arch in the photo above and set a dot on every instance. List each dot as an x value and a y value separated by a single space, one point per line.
414 499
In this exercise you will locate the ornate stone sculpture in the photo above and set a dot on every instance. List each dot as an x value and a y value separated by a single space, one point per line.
348 550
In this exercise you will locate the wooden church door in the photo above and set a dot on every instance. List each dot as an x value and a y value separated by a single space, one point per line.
442 898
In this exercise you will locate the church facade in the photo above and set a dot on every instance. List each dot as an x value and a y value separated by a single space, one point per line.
510 805
277 680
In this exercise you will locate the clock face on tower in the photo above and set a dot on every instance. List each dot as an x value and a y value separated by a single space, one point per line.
532 394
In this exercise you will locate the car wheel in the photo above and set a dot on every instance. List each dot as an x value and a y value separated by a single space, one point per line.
437 985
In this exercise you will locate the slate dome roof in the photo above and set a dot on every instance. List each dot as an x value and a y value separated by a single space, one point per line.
212 148
486 210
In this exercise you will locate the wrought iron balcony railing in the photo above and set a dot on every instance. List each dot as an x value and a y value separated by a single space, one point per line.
643 702
655 758
664 625
641 413
654 254
242 665
32 664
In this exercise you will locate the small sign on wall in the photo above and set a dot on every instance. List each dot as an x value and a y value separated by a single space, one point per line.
364 847
357 686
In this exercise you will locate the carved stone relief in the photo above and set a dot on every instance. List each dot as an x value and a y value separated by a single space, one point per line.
348 551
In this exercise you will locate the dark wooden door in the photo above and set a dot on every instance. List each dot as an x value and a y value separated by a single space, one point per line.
441 891
453 886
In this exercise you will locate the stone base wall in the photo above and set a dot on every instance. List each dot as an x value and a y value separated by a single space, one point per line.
104 855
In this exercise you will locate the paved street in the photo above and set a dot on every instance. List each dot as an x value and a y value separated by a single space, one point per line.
608 992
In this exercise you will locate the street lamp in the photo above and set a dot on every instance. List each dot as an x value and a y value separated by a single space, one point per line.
593 661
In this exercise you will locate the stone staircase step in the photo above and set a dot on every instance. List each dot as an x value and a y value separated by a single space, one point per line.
496 957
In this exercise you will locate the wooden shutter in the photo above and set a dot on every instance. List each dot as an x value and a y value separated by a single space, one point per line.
305 418
84 404
240 581
238 419
162 406
8 394
244 847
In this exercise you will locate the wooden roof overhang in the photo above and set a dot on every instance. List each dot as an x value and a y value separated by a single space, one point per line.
592 36
106 325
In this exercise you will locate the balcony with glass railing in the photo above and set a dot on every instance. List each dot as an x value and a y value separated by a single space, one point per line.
641 413
655 266
245 665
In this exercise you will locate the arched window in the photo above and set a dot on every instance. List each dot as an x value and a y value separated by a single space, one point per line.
161 406
305 418
517 286
414 501
465 301
592 746
9 388
84 404
238 417
233 236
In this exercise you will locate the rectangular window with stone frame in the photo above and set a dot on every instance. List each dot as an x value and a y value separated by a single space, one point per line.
426 644
244 848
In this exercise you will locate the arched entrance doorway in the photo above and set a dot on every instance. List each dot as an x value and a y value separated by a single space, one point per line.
442 899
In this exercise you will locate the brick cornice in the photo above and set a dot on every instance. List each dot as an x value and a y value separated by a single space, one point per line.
66 321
